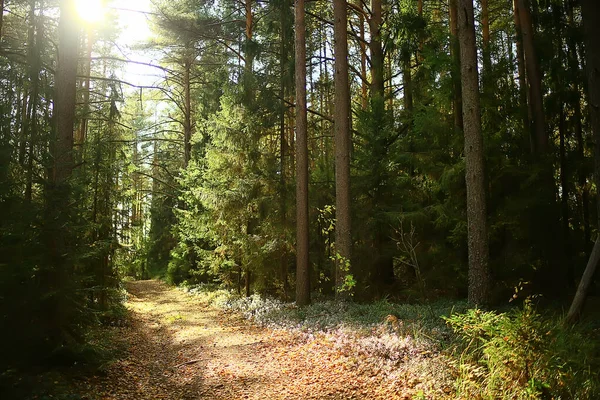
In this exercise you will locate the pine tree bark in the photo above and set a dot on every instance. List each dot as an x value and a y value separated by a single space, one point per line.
343 236
83 124
577 116
376 50
455 52
187 110
590 13
302 224
485 31
363 61
58 193
479 277
283 60
249 55
407 82
34 51
66 85
534 77
523 92
487 84
422 38
565 192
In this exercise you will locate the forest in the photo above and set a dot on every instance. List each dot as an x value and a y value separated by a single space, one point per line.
431 166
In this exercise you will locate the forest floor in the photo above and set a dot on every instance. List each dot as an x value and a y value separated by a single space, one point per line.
178 347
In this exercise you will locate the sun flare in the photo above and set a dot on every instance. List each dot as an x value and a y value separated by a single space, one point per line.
90 10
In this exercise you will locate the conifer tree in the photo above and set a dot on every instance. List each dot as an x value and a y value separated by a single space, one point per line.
479 277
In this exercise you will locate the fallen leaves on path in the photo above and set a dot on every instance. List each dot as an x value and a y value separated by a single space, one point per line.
180 348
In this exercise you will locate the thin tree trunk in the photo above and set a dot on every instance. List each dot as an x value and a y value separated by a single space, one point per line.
534 77
136 186
479 277
455 51
302 223
421 39
523 96
1 16
390 88
375 47
565 192
578 130
82 131
24 129
363 60
34 72
584 284
590 12
247 283
407 82
343 236
283 59
187 121
485 30
249 55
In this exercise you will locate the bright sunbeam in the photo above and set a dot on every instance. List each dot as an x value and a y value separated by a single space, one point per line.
90 10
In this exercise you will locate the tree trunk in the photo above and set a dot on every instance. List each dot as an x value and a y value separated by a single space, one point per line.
534 77
283 60
58 193
577 115
487 84
376 50
247 284
485 30
302 224
455 52
187 118
590 13
523 97
421 37
564 200
1 16
66 87
363 61
343 236
479 277
35 34
584 284
407 82
82 132
24 128
249 54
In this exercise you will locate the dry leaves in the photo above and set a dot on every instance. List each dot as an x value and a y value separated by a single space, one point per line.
179 348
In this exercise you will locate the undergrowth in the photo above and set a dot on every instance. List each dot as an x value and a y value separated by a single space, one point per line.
519 354
396 340
522 354
53 376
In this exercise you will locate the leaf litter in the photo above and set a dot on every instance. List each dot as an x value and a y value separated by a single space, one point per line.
181 347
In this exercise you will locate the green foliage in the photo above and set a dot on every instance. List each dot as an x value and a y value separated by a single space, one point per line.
178 270
523 355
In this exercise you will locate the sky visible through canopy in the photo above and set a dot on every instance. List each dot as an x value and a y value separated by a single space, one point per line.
133 23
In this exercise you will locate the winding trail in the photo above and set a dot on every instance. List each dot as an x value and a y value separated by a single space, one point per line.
179 348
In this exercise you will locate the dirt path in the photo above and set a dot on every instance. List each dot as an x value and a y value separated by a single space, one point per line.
180 348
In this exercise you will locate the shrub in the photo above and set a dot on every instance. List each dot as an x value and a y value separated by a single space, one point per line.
522 355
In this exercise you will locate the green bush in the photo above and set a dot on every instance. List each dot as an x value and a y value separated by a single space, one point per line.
522 355
179 266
